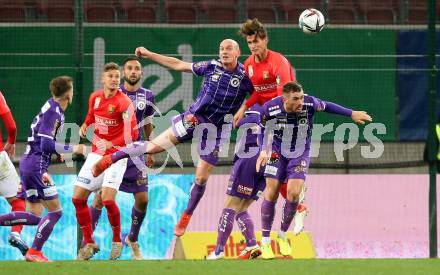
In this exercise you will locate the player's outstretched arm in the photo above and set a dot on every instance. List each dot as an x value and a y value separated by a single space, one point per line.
361 117
167 61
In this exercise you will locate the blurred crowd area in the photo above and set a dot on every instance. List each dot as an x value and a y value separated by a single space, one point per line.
215 11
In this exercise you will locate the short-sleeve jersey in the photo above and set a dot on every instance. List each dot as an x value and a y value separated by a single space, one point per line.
222 92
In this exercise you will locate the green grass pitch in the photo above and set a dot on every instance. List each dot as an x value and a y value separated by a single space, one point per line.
228 267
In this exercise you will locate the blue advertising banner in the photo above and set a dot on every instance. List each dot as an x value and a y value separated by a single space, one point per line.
168 195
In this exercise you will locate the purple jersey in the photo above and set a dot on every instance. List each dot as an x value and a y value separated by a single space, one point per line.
252 122
291 124
48 123
222 92
143 102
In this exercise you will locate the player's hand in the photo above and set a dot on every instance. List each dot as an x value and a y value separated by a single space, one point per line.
79 149
82 131
103 145
149 161
360 117
142 52
239 115
262 160
60 158
10 150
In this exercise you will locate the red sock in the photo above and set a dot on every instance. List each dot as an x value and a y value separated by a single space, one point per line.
114 217
18 205
283 190
84 219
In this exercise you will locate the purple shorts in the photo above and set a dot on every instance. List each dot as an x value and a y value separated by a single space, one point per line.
36 189
245 182
184 125
134 181
282 168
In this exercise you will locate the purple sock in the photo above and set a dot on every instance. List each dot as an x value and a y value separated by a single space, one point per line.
44 228
267 216
195 195
95 214
246 226
225 225
289 211
137 217
19 217
132 150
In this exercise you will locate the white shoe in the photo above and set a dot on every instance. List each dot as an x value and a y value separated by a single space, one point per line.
299 217
136 253
213 256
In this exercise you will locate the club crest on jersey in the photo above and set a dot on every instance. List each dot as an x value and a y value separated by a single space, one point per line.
235 82
111 108
266 75
141 104
97 101
251 71
190 121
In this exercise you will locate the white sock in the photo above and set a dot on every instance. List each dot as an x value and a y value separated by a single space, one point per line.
282 234
265 240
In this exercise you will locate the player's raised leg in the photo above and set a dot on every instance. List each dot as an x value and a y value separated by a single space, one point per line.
203 171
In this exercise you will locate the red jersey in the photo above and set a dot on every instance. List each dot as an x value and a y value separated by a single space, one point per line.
268 77
7 118
114 119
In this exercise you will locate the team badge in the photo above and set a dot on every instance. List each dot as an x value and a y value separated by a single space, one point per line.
141 105
235 82
278 80
251 71
97 101
111 108
266 75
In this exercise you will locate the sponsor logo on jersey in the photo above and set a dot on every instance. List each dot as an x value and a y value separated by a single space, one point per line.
190 121
215 77
244 190
106 121
265 87
274 158
278 80
96 104
251 71
56 124
125 114
266 75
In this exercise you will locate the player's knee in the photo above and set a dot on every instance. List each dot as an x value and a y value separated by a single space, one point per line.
200 180
78 202
293 195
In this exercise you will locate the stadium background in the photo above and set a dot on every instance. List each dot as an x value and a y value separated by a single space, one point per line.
372 55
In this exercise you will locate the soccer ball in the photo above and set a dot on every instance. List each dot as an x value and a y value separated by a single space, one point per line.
311 21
